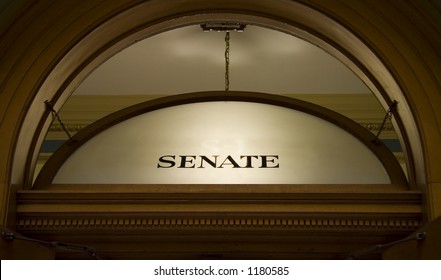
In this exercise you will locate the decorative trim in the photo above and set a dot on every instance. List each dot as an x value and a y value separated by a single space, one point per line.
135 223
374 127
400 157
72 127
75 127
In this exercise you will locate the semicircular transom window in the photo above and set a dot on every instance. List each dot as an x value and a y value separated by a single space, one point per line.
224 142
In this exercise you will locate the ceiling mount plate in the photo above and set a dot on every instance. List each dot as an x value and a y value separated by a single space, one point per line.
223 26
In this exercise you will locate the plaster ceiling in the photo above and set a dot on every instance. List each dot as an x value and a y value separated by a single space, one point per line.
190 60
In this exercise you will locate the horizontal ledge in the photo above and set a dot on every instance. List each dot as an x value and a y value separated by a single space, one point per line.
224 188
119 208
228 194
253 199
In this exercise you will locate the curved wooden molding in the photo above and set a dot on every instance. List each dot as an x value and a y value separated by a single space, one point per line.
388 160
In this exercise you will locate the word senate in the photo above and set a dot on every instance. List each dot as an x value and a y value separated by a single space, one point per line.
243 161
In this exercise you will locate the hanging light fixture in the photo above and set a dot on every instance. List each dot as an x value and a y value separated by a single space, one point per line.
225 27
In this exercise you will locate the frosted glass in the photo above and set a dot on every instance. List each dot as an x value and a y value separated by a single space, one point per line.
299 149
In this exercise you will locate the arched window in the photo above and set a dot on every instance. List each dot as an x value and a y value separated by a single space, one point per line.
219 138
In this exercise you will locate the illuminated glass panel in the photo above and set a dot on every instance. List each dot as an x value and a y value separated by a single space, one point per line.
223 143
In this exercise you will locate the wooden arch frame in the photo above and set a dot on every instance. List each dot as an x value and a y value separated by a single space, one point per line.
386 157
87 33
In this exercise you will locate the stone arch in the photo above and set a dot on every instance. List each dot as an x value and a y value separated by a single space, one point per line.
51 47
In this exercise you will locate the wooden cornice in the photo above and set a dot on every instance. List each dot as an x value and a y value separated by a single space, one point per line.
137 211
